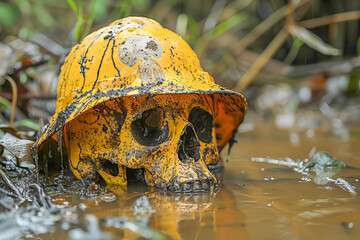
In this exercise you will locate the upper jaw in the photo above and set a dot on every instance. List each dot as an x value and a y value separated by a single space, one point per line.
189 176
192 186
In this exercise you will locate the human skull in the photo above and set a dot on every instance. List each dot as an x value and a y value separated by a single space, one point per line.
171 137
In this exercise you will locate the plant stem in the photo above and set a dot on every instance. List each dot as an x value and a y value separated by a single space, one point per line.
14 98
261 60
336 18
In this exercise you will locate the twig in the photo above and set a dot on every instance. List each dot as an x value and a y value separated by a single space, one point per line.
14 98
237 6
331 19
263 27
262 60
48 44
331 67
344 185
290 16
28 96
42 61
36 156
8 193
8 183
302 11
272 47
41 196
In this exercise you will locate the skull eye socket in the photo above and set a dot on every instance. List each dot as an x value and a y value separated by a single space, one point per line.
149 128
203 123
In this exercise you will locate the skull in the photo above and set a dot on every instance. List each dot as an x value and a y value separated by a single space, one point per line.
171 137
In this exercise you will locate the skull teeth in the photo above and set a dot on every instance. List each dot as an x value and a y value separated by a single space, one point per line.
177 187
197 186
193 186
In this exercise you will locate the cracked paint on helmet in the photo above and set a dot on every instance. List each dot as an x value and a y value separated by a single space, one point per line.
109 74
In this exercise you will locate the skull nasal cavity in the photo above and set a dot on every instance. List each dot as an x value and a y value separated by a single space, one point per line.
189 146
109 167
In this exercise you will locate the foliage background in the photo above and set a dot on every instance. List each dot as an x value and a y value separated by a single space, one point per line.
209 26
213 28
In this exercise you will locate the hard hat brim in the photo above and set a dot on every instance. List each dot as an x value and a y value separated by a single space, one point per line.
234 103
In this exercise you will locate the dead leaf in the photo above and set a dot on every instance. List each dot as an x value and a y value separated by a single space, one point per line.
313 40
20 148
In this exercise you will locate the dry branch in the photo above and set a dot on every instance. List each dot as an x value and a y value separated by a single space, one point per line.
262 60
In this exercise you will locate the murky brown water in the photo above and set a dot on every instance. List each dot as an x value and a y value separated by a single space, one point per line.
256 200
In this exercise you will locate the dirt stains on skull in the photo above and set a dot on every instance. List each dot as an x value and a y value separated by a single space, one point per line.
151 45
159 134
113 114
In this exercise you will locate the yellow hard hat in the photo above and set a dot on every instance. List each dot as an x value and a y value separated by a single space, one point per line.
132 57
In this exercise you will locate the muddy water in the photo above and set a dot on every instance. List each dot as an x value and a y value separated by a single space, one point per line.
279 203
257 200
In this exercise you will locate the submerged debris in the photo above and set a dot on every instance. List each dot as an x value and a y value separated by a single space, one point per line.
136 226
142 208
322 160
287 162
38 215
10 185
9 229
34 215
41 199
344 185
320 168
90 230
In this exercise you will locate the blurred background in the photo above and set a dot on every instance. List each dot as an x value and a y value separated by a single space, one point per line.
286 57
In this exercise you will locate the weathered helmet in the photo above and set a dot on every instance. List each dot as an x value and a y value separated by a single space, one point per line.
132 58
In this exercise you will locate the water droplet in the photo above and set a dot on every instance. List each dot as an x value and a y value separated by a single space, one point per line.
310 133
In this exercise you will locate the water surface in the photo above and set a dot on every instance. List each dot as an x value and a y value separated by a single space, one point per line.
256 200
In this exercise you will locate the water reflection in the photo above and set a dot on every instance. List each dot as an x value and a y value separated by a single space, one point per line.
206 215
202 215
